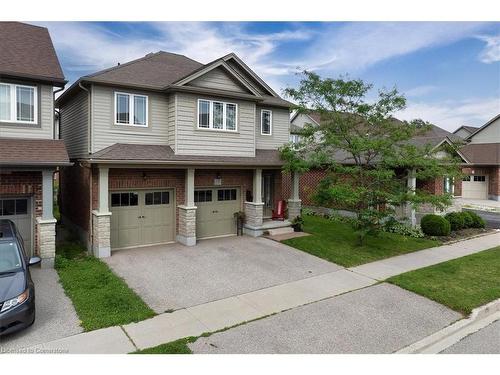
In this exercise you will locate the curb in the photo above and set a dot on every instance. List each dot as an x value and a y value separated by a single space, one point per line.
448 336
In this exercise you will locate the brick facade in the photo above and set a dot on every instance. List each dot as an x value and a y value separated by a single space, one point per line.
26 184
493 174
308 183
434 186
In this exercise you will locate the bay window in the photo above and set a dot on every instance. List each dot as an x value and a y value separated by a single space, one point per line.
217 115
131 109
18 103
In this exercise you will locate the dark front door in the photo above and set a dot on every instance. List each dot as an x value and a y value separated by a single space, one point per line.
268 193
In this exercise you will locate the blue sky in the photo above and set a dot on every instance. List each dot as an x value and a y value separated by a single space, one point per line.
449 71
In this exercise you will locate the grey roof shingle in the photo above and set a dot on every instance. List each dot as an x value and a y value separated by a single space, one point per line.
16 151
482 153
136 153
27 51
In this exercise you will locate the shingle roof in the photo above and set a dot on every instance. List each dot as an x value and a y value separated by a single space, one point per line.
15 151
121 152
482 153
155 70
27 51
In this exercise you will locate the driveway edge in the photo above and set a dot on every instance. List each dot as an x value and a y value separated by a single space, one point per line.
443 339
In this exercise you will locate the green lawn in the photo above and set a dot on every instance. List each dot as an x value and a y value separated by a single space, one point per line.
101 299
461 284
174 347
337 242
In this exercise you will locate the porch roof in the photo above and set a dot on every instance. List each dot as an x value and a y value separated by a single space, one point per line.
32 152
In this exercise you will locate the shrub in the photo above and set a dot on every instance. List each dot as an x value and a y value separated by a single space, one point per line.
308 212
477 221
435 225
456 220
468 220
393 226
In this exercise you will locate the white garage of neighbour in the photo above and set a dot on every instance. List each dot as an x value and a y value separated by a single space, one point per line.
475 187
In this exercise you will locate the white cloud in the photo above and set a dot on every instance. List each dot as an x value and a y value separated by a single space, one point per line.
491 52
420 90
359 45
452 114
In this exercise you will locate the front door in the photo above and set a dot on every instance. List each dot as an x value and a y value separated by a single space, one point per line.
268 193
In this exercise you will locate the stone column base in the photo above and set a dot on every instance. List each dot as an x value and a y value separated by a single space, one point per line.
46 229
187 225
254 214
294 208
101 234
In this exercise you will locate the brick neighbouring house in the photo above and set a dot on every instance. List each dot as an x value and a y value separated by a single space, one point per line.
29 155
167 149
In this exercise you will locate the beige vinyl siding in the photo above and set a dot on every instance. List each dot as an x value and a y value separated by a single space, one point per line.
280 129
193 141
462 133
171 120
74 125
301 120
104 131
43 130
490 134
248 78
218 79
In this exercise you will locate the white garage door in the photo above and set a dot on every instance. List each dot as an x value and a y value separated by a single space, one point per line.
142 218
475 187
18 209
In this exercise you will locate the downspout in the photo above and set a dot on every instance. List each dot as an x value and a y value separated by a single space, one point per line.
56 111
89 121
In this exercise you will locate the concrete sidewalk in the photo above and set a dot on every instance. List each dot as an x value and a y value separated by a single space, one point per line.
383 269
227 312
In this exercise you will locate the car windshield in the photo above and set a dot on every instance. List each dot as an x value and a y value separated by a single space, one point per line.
10 259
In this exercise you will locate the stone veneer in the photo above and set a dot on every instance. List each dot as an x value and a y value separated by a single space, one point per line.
46 241
254 214
101 244
187 225
294 208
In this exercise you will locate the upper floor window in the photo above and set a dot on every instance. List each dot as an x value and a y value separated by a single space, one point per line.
266 120
217 115
131 109
294 138
18 103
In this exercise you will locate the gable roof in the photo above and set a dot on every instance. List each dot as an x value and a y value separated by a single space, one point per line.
468 129
484 126
482 153
27 52
165 71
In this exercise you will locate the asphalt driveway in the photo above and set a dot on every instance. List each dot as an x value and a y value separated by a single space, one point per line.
55 315
378 319
174 276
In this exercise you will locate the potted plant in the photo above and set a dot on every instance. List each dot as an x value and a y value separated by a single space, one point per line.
240 219
298 224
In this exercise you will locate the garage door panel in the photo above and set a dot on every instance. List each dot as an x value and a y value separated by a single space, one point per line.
216 217
475 187
19 211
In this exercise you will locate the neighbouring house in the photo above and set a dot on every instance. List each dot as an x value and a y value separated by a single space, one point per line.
464 131
29 154
436 137
482 172
168 149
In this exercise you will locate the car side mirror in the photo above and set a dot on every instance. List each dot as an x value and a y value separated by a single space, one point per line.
34 260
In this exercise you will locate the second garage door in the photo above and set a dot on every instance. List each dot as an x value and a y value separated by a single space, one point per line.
215 213
475 187
18 209
142 218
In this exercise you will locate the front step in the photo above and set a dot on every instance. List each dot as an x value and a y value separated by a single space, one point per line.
278 231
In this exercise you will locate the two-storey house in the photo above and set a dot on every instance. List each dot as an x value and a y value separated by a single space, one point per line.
29 155
482 174
168 149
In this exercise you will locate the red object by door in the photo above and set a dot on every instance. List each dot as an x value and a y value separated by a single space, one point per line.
279 212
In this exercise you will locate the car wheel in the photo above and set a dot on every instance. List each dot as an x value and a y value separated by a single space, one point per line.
33 321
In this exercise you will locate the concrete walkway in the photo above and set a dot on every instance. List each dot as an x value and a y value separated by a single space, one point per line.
227 312
383 269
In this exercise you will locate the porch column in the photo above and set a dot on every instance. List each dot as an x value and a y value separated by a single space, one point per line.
254 211
187 212
46 225
412 186
294 203
101 219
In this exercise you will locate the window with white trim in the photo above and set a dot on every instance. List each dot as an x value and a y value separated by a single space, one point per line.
18 103
217 115
131 109
294 138
266 121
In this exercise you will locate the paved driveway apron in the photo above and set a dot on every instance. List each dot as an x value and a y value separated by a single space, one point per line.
378 319
175 276
55 315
